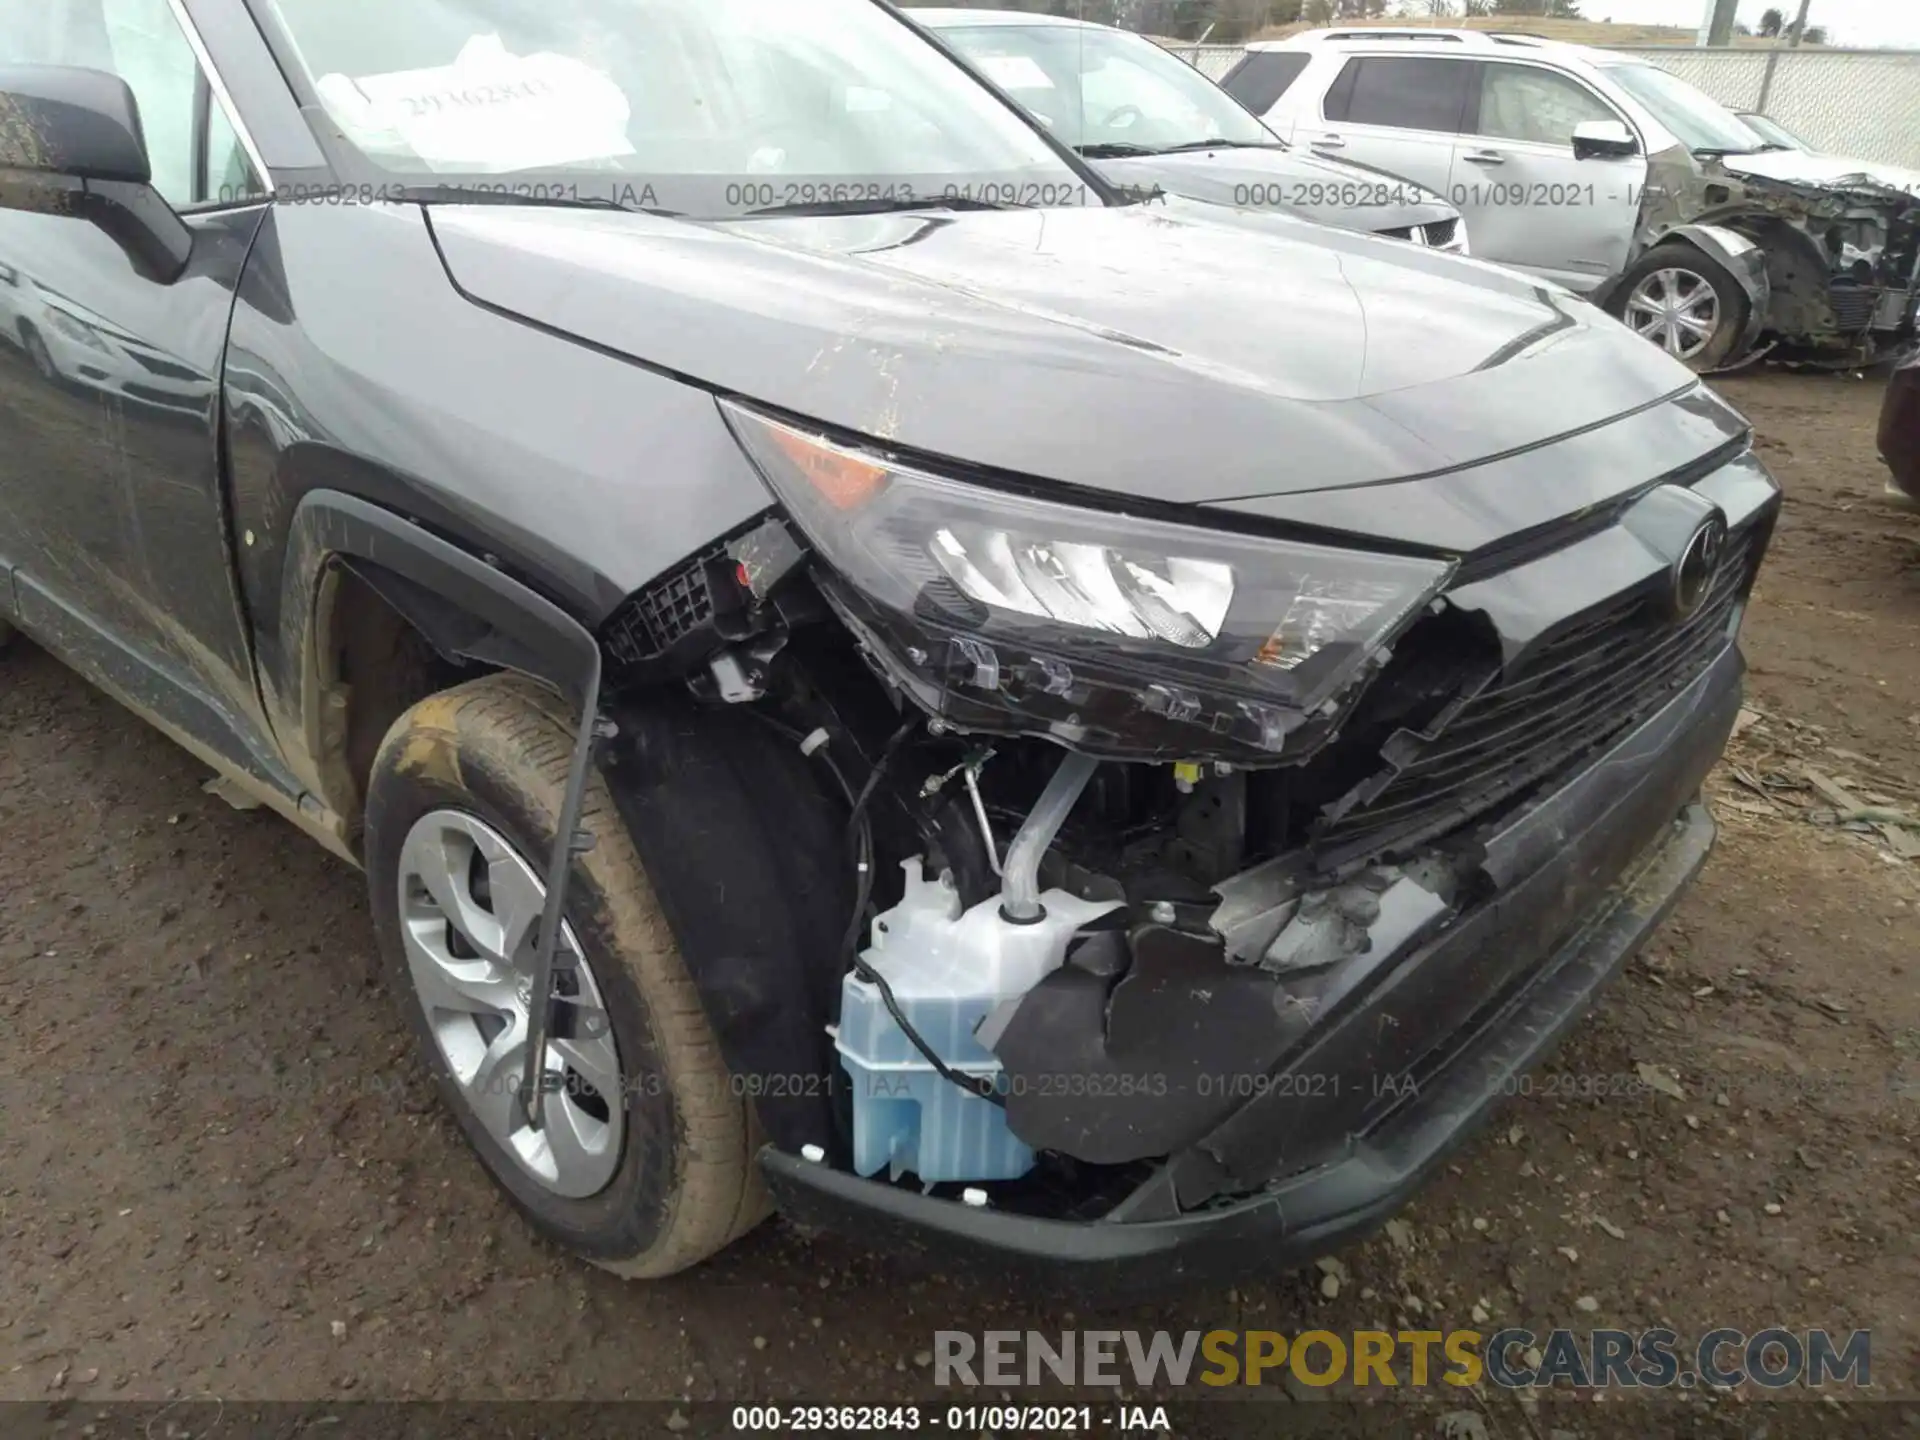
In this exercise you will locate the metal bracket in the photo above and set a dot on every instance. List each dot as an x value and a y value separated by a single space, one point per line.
569 840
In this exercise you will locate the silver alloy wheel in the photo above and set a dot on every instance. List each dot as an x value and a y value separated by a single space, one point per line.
468 904
1678 310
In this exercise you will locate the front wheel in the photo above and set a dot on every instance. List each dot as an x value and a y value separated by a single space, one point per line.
1685 302
41 357
643 1160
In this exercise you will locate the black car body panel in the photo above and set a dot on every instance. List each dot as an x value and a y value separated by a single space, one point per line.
910 328
1900 426
1497 505
113 505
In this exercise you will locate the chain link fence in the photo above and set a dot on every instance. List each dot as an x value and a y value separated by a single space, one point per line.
1864 104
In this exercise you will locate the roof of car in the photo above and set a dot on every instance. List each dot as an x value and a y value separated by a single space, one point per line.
1434 37
944 18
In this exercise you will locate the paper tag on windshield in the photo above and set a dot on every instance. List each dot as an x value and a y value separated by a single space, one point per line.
489 111
1014 72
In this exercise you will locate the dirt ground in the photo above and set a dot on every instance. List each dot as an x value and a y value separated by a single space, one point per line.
222 1175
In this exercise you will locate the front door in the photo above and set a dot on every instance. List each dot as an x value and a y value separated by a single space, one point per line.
1527 201
111 507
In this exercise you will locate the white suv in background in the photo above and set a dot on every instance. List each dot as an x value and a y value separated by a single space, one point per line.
1617 179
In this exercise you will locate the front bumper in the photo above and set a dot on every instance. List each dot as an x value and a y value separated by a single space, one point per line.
1595 866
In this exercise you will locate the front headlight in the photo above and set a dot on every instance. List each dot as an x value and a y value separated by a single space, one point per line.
1121 635
77 331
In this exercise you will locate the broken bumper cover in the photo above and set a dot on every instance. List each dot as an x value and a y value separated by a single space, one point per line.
1611 852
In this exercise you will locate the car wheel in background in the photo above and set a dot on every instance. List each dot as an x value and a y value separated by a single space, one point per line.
1684 302
644 1160
41 357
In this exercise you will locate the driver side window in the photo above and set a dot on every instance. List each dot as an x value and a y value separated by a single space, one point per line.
1519 102
141 42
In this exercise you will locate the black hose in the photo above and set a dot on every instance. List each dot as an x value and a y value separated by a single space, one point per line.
860 835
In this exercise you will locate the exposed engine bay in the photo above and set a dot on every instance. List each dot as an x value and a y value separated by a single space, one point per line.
1841 256
1041 969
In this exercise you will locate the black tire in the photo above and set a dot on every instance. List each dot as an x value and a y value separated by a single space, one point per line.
39 355
687 1183
1734 309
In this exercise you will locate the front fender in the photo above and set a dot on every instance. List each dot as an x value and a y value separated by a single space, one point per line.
465 607
1742 258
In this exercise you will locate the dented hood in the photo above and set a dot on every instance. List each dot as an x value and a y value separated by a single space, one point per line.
1140 350
1826 172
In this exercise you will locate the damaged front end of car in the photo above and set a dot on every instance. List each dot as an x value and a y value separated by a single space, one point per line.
1111 892
1838 258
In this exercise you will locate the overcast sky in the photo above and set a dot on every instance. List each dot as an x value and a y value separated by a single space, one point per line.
1848 22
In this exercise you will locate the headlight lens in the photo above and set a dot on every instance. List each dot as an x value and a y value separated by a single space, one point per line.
77 331
1122 635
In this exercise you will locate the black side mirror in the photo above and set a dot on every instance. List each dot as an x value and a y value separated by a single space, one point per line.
71 144
1603 140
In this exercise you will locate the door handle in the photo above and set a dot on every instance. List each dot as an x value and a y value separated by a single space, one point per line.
1485 157
1327 142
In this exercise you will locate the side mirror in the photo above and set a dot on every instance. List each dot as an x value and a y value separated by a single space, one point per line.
71 144
1603 140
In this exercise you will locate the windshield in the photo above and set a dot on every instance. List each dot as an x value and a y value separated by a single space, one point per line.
695 106
1773 131
1698 121
1097 87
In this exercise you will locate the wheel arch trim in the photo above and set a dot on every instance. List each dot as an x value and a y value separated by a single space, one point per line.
467 609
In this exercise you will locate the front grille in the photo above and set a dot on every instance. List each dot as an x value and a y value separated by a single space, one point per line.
1437 236
1583 689
165 368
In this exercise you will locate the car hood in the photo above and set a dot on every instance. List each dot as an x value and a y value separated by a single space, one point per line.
1141 350
1353 197
1825 171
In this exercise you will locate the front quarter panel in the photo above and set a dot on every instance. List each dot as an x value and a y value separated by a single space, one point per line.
355 366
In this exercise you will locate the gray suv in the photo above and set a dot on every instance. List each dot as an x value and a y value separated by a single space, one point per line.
1618 180
867 671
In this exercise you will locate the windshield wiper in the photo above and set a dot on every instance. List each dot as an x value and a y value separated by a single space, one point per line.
872 206
1122 149
553 199
1275 144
